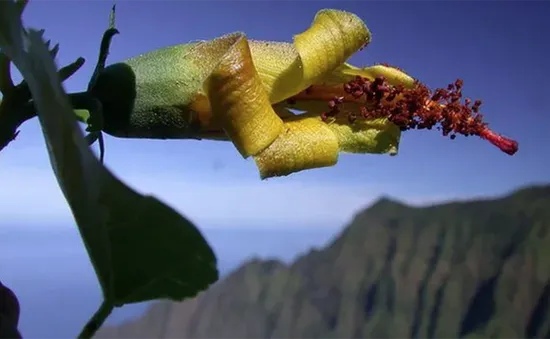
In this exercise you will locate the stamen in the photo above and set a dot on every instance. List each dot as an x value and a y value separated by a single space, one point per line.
420 108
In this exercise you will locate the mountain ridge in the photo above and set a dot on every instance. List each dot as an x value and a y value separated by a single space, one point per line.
473 268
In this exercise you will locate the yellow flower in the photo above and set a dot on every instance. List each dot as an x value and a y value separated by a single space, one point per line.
240 89
244 91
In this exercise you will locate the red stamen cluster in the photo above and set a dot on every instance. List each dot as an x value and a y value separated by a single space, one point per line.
419 108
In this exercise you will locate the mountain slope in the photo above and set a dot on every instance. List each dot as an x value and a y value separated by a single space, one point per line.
464 269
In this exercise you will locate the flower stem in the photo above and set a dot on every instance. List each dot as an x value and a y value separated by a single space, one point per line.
97 320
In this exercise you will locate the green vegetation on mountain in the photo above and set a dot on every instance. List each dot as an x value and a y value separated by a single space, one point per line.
463 269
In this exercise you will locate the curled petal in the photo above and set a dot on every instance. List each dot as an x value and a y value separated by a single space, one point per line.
347 72
366 136
305 143
239 102
251 76
284 68
287 69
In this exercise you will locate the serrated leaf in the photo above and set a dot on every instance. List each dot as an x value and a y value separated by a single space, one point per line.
140 248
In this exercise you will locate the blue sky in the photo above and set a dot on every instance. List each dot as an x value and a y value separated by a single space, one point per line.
497 47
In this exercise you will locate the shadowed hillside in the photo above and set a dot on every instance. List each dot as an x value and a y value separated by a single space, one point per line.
468 269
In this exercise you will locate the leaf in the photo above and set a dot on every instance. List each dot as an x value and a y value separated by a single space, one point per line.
140 248
158 253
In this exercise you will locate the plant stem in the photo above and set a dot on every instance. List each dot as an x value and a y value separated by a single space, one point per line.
11 117
97 320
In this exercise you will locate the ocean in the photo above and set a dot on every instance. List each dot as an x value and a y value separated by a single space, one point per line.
49 270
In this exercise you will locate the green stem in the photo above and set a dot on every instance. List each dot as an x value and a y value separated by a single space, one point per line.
97 320
13 113
82 100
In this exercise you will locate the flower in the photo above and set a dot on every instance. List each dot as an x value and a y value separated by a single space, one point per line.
245 91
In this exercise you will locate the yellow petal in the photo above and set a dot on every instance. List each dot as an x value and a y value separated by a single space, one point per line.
239 102
250 76
347 72
286 69
304 144
366 136
241 105
232 84
362 136
332 38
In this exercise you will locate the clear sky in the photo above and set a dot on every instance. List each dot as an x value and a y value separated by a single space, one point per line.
498 48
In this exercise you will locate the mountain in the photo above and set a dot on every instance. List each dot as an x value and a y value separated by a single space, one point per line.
462 269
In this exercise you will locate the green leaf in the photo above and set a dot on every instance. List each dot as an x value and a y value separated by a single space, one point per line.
140 248
156 253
